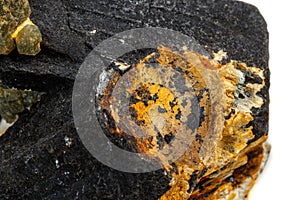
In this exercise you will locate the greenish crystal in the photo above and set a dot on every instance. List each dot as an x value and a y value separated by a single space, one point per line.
12 14
14 101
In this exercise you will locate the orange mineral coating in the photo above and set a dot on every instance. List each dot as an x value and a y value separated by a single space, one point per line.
164 96
216 154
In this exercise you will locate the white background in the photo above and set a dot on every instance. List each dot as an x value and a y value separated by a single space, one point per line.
281 177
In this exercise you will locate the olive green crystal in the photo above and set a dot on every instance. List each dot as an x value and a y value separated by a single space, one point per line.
14 101
16 29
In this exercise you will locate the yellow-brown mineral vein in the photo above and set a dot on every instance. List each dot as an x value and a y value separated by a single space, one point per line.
240 96
160 103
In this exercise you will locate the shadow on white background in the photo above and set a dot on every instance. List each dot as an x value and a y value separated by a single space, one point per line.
280 179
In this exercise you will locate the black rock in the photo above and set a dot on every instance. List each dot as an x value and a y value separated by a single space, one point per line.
36 163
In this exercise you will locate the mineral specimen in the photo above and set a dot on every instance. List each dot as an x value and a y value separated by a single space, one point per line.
226 156
16 29
27 164
12 102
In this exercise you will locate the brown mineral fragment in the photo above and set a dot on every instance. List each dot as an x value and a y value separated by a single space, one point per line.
16 28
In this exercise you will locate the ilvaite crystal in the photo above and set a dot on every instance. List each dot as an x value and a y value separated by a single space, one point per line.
221 162
16 29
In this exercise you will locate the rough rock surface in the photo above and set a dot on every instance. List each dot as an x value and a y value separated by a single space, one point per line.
41 155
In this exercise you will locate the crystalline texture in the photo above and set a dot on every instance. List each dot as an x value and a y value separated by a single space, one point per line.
16 29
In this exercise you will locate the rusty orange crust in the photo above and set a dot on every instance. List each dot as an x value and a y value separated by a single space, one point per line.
203 171
164 97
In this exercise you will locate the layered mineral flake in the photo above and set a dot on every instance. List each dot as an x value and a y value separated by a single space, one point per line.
17 30
13 102
187 100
